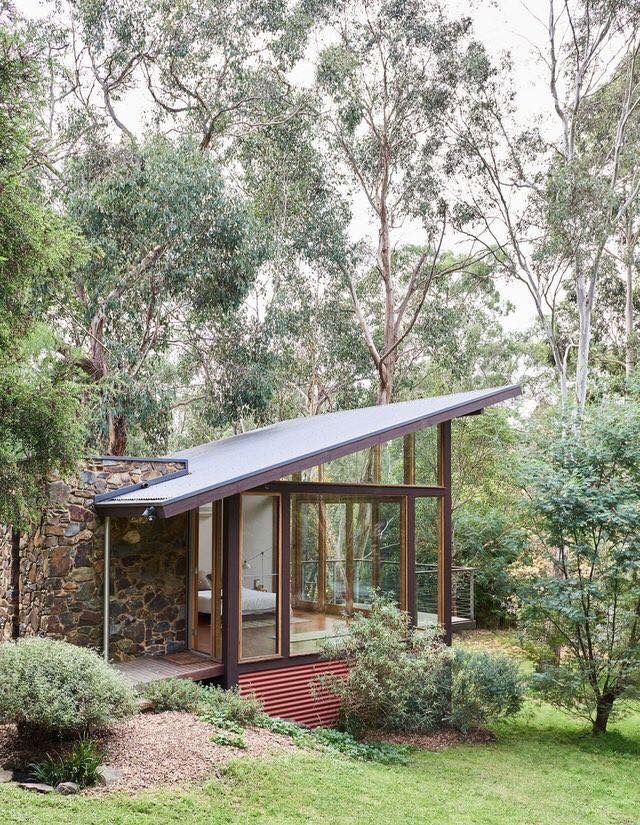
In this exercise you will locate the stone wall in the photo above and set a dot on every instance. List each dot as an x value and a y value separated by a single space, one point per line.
6 600
62 567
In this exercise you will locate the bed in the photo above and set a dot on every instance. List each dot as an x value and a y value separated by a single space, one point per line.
253 601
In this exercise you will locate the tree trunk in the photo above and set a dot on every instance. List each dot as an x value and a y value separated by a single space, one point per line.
629 349
584 340
117 435
603 711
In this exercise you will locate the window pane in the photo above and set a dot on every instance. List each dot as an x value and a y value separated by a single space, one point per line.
427 456
204 607
342 549
427 531
260 561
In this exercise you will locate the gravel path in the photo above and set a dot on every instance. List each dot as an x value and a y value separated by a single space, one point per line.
155 749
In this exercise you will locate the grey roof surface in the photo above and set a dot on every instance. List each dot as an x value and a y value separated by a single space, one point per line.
243 461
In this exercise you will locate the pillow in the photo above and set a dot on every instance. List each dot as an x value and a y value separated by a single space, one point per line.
204 580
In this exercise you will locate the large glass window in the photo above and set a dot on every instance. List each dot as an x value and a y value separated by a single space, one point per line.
342 549
206 613
427 540
260 575
409 460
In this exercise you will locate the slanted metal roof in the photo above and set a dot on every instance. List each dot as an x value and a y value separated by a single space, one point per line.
241 462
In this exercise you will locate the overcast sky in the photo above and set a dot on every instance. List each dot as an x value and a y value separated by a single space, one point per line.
502 25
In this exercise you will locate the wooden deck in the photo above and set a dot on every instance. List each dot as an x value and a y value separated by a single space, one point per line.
187 665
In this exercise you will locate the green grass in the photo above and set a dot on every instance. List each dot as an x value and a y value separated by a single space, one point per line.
543 770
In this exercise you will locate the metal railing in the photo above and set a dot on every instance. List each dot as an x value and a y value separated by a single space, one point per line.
462 596
462 590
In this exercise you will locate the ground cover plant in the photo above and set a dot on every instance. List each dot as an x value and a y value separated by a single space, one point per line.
52 688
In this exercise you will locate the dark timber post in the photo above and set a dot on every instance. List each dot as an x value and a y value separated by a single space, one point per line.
444 549
284 582
231 589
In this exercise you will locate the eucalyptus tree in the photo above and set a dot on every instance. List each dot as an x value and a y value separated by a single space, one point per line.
40 422
387 77
169 245
548 201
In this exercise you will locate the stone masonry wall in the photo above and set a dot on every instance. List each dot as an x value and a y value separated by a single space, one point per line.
62 566
6 604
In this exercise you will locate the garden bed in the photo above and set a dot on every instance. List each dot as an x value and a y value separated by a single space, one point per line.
151 750
435 740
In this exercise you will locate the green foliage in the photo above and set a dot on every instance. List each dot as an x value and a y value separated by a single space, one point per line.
50 688
581 596
220 707
403 679
485 688
79 765
337 741
232 739
398 677
173 694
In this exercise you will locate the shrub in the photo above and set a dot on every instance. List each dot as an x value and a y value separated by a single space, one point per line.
218 706
49 687
403 679
485 687
173 694
80 765
398 678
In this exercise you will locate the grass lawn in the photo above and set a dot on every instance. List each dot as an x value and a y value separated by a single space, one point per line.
543 769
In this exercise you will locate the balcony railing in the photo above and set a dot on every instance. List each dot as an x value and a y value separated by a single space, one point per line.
462 591
462 596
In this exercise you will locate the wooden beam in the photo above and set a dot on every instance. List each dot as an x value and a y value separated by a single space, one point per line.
285 574
231 590
366 490
444 543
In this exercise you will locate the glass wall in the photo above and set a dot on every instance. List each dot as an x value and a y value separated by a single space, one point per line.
260 574
206 614
427 540
342 549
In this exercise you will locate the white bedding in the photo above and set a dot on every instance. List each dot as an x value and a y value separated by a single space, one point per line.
253 601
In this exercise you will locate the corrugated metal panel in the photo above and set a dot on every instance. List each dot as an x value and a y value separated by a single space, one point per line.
287 692
268 452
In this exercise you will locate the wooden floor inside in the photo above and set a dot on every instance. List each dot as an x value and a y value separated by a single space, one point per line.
187 665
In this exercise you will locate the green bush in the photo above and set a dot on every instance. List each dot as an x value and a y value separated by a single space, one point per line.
232 740
218 706
79 765
398 678
173 694
403 679
485 687
55 688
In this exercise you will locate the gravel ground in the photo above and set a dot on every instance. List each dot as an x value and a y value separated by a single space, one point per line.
154 749
436 740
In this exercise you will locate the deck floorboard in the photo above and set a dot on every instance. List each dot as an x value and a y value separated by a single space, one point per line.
186 665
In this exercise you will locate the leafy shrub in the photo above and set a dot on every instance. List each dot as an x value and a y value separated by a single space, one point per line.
50 687
336 741
233 740
485 687
173 694
398 678
218 707
79 765
403 679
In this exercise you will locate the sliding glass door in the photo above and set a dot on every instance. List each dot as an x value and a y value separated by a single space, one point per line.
206 569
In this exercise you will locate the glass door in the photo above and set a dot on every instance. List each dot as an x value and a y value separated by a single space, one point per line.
206 610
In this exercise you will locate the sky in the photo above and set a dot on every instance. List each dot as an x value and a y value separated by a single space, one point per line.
502 25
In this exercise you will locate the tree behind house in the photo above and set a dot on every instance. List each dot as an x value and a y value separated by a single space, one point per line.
580 610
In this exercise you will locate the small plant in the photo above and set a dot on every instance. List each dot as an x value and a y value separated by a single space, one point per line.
173 694
336 741
79 765
232 740
218 706
51 688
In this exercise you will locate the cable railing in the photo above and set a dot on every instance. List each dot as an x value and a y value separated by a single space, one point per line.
462 595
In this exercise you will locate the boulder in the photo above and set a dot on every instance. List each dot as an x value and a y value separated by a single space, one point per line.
68 788
108 775
36 787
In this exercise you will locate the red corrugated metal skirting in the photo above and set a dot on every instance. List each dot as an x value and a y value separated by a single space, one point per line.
286 692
